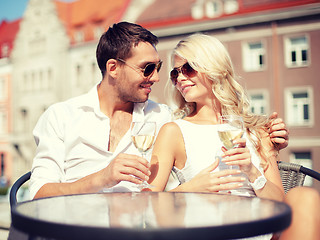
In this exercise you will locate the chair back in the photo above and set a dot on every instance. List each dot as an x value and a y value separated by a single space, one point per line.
15 187
293 175
290 175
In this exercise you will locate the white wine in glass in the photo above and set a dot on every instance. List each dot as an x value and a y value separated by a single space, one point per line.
143 143
231 128
143 134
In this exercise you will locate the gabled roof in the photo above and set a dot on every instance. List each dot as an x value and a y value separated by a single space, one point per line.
85 15
8 32
167 13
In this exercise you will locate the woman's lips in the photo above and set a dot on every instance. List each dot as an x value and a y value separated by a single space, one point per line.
186 87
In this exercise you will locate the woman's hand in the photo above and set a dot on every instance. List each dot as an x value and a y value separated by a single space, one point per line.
239 156
209 181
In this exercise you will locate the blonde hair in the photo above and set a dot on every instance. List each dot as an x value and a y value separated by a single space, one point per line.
208 56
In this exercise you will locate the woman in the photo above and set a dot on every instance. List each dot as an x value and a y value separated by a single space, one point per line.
204 88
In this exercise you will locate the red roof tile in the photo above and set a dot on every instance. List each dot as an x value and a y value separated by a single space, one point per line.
8 32
85 15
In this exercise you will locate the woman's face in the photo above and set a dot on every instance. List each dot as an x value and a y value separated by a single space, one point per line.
193 88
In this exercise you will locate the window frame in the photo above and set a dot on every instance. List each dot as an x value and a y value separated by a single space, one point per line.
248 56
266 99
289 104
304 162
288 50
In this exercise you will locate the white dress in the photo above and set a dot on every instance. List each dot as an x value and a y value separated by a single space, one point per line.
202 143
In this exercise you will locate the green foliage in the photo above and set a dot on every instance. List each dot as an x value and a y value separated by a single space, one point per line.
3 190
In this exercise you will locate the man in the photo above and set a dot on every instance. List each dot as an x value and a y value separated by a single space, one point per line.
84 145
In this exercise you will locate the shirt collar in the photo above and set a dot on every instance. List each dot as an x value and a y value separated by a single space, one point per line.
138 111
91 100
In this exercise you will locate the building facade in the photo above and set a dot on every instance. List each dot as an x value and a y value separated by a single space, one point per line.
8 31
274 46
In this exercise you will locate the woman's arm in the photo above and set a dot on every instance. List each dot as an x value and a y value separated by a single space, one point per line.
241 156
274 184
167 148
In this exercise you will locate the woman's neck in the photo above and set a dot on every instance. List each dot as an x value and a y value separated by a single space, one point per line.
204 115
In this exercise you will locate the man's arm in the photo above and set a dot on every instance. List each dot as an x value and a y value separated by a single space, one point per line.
125 167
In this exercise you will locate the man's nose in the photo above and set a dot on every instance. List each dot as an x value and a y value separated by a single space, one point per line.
155 77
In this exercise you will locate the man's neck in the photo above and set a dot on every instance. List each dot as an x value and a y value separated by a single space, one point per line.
111 105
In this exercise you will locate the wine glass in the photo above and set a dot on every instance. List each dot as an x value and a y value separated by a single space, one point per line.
143 134
231 128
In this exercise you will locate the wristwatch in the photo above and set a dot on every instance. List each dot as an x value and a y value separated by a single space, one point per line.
259 182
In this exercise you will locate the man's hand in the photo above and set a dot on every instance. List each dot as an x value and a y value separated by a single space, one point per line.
278 131
125 167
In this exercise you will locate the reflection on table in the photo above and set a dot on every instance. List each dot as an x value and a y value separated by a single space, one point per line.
151 215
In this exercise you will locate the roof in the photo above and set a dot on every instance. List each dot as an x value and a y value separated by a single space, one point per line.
8 32
86 15
166 13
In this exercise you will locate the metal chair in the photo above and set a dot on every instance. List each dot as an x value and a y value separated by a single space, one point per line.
293 175
15 187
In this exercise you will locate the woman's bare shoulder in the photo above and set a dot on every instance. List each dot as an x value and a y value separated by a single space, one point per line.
170 127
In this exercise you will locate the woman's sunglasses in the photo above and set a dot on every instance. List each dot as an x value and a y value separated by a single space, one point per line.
147 70
185 69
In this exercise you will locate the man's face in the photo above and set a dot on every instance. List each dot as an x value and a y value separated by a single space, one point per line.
132 85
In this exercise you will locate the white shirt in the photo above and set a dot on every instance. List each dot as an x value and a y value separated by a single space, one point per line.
72 140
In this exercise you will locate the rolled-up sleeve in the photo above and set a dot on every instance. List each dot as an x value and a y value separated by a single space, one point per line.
48 163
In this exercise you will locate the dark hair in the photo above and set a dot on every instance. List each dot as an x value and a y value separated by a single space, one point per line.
118 40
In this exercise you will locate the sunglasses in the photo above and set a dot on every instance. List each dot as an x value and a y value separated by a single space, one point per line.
147 70
185 69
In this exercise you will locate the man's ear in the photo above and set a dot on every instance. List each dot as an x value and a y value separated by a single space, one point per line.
112 67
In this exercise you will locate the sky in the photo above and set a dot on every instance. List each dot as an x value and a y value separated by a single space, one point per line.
13 9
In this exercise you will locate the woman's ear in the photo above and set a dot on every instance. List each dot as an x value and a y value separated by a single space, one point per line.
112 67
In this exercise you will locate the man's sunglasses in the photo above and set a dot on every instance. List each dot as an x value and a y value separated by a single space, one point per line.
185 69
147 70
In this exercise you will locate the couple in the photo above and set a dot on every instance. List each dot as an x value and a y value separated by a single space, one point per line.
84 145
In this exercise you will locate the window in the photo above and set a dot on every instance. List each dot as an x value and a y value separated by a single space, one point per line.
79 36
94 71
258 102
299 106
5 50
49 78
3 122
197 10
213 8
24 118
296 51
79 74
231 6
253 56
304 159
98 30
3 89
